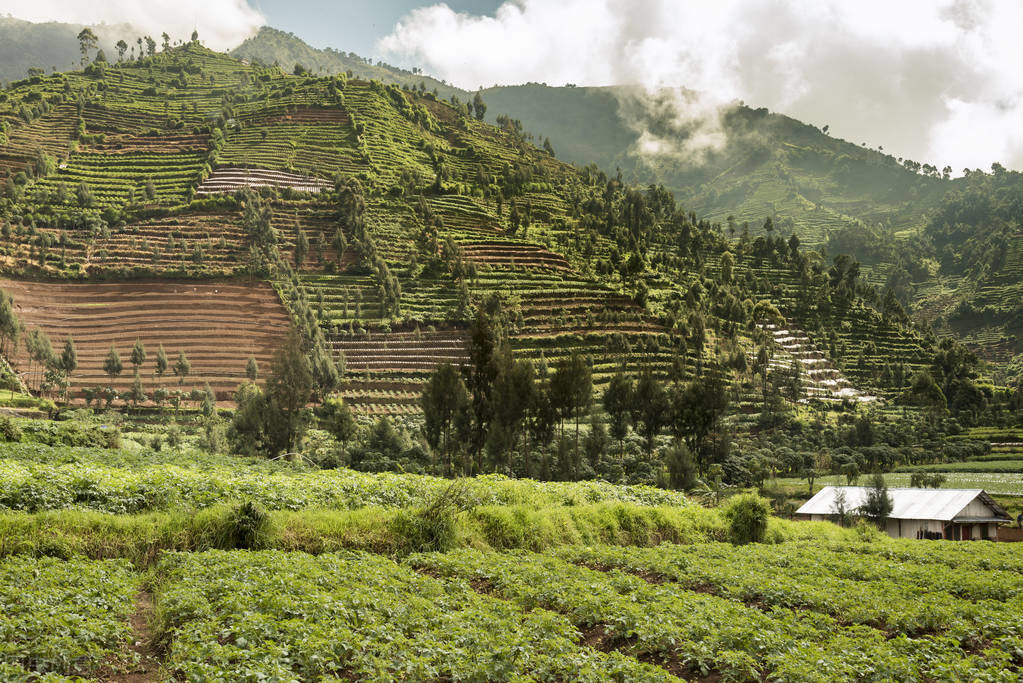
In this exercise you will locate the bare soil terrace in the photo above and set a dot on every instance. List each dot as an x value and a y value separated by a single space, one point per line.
217 324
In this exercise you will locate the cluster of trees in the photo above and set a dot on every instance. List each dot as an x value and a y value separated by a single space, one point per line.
88 41
500 413
950 384
113 366
858 441
265 257
272 420
351 210
47 371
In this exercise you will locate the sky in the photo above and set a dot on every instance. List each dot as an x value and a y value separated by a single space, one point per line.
937 81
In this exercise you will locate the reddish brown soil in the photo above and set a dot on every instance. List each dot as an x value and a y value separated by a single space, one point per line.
217 325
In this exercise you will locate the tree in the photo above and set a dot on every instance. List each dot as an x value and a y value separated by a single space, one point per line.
851 472
252 369
138 355
650 408
41 351
840 508
10 325
84 195
301 247
351 205
513 395
482 370
340 244
150 46
122 47
195 36
444 397
68 361
289 388
727 266
112 364
924 392
208 405
182 367
161 362
878 505
338 419
479 106
696 412
137 395
618 404
166 41
681 468
248 433
572 390
86 42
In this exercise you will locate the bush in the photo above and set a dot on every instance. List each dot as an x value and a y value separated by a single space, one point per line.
247 527
747 518
432 528
8 430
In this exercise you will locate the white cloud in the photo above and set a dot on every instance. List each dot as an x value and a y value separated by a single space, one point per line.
937 81
222 24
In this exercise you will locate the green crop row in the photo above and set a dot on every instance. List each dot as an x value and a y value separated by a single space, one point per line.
62 617
970 606
36 477
708 634
277 616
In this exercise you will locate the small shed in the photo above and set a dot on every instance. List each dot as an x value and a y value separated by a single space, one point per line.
953 514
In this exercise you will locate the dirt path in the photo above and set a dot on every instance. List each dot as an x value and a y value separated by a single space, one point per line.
148 667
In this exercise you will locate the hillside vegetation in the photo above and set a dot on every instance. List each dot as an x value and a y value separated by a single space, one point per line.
845 196
422 253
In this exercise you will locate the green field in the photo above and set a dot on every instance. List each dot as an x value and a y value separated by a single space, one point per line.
1000 483
176 564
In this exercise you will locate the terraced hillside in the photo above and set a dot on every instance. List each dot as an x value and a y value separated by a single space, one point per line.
823 381
217 325
387 220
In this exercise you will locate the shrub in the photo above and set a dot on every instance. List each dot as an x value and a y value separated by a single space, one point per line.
747 518
9 431
247 527
425 530
174 437
432 528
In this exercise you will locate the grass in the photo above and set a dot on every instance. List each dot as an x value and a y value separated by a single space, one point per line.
1000 483
142 538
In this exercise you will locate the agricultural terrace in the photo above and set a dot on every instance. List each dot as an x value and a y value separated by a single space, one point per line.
217 325
451 212
227 563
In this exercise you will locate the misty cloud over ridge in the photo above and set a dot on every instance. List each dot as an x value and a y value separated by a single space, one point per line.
934 81
222 24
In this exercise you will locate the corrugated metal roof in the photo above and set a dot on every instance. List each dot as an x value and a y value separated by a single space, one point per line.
939 504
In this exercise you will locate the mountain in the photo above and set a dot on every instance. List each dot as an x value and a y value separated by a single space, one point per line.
272 46
831 193
51 46
769 164
389 216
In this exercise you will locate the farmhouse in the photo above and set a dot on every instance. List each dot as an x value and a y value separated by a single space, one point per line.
954 514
